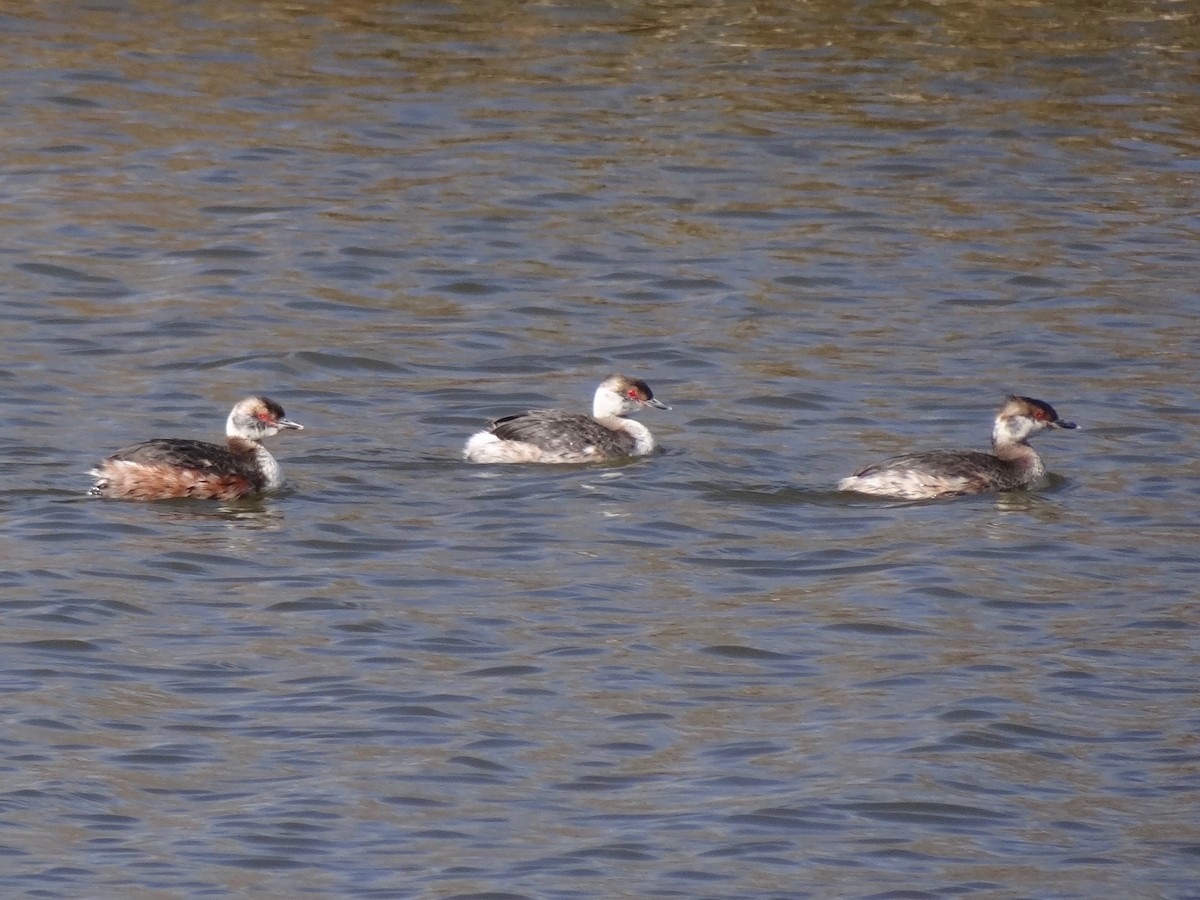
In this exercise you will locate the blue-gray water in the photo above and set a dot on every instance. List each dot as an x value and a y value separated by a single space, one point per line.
824 232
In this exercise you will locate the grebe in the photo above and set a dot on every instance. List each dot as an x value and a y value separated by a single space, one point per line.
558 436
1012 463
169 468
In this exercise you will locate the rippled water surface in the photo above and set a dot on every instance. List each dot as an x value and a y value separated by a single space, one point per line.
824 233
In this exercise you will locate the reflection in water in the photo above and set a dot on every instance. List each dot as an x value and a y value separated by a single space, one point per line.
822 231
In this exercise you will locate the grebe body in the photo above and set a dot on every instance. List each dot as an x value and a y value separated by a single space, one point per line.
1012 464
560 436
171 468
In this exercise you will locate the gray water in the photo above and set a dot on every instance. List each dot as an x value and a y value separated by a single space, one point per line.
823 232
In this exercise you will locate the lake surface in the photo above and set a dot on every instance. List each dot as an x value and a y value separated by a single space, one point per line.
823 232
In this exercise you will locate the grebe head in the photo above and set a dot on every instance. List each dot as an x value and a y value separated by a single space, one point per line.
619 395
256 418
1022 417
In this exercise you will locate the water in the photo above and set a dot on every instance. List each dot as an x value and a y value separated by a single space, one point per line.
823 233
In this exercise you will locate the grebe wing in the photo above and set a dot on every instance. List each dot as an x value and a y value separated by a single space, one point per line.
556 430
171 468
949 471
943 462
182 453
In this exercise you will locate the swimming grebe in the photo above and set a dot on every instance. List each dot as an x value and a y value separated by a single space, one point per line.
1012 463
169 468
558 436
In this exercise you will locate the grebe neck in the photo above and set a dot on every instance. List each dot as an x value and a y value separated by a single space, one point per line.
606 404
1020 455
268 466
643 440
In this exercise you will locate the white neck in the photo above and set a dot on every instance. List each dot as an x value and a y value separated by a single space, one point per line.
605 403
643 440
1012 430
269 467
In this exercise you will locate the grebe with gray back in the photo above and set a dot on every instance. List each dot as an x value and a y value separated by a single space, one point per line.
170 468
560 436
1011 465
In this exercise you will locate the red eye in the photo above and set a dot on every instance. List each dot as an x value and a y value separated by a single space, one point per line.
633 394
